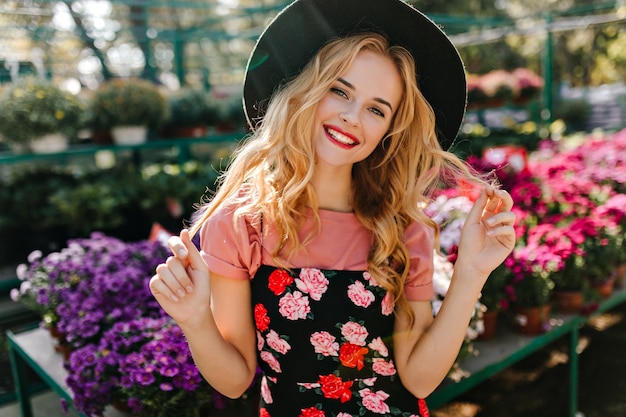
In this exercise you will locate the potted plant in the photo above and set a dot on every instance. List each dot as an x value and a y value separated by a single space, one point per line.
36 115
89 285
128 108
191 111
443 270
530 286
230 114
493 298
531 296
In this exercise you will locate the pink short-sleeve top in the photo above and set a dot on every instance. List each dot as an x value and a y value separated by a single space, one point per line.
233 246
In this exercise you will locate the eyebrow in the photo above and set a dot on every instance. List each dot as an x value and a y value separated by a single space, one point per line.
378 99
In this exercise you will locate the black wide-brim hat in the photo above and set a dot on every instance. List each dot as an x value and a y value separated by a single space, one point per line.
301 29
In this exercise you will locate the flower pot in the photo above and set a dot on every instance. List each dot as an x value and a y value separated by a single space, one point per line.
51 143
532 320
129 135
568 302
620 276
604 288
490 324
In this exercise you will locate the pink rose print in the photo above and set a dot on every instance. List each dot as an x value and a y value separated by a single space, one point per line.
325 343
344 415
354 333
382 367
271 361
388 304
370 279
260 342
379 346
309 385
375 401
294 306
313 282
265 391
359 295
369 382
275 342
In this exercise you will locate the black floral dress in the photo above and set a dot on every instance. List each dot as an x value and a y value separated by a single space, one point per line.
324 345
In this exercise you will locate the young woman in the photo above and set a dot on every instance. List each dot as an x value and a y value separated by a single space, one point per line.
316 258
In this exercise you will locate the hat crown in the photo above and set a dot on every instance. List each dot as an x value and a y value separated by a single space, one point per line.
302 28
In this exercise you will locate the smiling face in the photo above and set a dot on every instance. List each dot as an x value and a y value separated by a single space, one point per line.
357 111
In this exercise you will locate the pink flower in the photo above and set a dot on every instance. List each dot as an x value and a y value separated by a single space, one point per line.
325 344
370 280
354 333
312 282
275 342
375 401
359 295
379 346
294 306
387 304
266 393
260 342
382 367
268 358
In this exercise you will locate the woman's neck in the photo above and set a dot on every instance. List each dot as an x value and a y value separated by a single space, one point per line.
333 189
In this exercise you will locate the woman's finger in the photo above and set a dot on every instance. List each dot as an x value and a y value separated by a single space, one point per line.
195 259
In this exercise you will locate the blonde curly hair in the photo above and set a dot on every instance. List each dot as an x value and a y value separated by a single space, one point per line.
390 187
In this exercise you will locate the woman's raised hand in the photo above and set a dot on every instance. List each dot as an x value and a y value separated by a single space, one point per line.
181 284
488 235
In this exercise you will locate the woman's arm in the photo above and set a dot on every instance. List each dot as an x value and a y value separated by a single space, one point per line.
426 350
214 313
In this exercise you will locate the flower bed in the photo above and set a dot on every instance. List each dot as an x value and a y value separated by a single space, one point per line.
571 208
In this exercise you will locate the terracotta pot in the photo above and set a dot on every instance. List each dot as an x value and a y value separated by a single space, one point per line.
55 333
532 320
568 302
605 288
620 276
490 323
64 349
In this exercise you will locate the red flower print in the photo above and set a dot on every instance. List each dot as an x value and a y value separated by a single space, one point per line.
352 356
312 412
279 279
421 403
313 282
375 401
336 389
260 317
264 413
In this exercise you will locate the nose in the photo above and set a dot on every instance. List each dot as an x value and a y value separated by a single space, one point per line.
349 116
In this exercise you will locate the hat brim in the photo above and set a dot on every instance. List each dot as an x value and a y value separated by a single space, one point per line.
301 29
